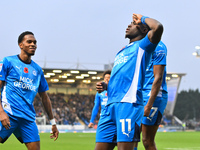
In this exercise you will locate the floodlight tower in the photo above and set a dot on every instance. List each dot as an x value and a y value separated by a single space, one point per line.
197 52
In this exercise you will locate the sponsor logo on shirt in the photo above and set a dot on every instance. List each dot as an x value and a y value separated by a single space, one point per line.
104 102
18 67
25 83
120 59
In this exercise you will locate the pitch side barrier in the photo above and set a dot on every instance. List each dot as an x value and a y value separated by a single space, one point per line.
66 128
85 129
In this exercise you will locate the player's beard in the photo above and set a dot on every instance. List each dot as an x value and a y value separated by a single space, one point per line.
29 54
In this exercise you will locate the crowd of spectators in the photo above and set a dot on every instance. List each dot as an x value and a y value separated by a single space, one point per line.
68 109
75 109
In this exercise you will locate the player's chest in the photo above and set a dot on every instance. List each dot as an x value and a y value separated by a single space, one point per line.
23 72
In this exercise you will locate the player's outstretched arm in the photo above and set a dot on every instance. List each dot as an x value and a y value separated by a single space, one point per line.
3 116
48 108
95 110
156 28
158 71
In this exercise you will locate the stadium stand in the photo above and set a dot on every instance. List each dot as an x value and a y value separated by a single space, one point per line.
72 103
73 109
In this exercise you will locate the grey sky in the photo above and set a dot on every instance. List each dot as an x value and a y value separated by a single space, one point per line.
92 32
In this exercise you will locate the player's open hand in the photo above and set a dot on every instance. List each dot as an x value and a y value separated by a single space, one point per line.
5 120
137 18
90 125
54 133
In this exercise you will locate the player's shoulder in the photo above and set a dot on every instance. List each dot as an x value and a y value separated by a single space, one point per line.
101 94
36 66
161 48
161 45
98 94
8 58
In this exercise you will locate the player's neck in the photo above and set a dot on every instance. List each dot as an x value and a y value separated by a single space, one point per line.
25 58
137 38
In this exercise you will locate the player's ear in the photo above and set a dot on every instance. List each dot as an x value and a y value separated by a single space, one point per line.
144 29
21 45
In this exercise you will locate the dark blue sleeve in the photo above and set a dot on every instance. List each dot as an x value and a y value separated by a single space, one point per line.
95 109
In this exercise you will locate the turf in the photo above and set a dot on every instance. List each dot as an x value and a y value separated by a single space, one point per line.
86 141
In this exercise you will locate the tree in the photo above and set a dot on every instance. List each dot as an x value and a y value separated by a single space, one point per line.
188 105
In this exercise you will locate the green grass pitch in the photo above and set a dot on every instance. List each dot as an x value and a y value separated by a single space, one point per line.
86 141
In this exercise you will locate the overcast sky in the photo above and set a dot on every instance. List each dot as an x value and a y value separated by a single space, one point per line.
91 32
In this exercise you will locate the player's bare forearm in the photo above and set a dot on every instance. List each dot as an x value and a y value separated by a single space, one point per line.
48 108
154 91
156 30
3 116
47 104
158 77
1 109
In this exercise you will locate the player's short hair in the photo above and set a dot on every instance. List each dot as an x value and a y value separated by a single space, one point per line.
106 72
21 36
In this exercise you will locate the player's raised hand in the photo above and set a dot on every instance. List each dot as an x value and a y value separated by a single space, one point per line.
54 133
90 125
137 18
5 120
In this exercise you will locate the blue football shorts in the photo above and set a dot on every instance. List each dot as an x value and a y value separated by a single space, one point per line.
157 110
25 131
120 122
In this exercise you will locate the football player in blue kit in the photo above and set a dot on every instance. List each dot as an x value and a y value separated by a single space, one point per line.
20 80
100 99
155 96
120 121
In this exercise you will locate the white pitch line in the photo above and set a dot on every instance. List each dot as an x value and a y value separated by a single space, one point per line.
185 148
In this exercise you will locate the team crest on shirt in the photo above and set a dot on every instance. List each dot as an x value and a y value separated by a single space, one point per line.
25 70
106 94
34 73
5 106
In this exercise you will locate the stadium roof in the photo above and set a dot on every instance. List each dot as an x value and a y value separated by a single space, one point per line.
77 76
171 75
72 76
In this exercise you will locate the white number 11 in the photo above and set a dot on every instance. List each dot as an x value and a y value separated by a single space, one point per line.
123 124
